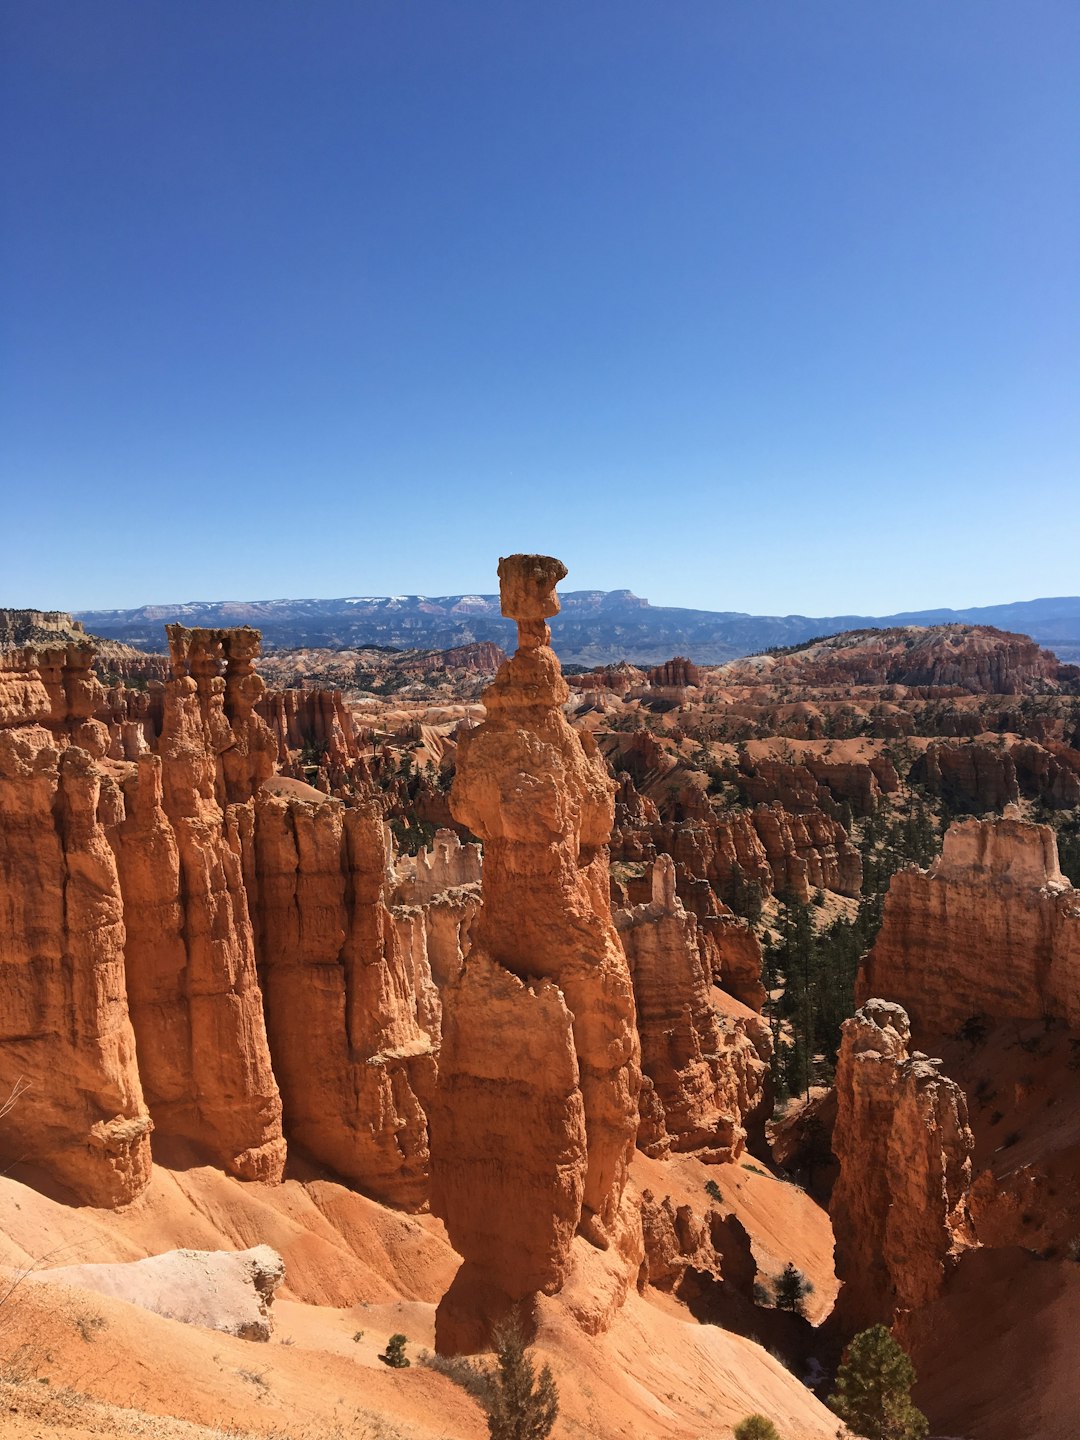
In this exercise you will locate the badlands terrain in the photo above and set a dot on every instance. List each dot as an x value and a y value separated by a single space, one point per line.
354 991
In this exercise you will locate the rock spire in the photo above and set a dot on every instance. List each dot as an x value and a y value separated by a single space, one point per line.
535 1118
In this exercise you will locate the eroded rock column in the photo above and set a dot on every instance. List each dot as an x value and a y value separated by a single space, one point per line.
535 1118
66 1039
196 1002
900 1205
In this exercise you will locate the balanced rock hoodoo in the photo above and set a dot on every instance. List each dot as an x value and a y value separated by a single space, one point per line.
536 1112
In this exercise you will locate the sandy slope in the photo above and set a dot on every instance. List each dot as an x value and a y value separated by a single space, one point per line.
352 1267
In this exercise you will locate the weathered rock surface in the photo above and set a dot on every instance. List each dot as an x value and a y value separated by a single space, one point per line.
972 777
352 1042
62 937
978 659
900 1203
675 674
448 865
229 1290
708 1069
139 895
992 928
808 852
544 1004
196 1002
1047 773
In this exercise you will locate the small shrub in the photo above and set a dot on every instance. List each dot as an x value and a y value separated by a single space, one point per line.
712 1189
973 1030
89 1325
359 1335
1010 1140
466 1373
394 1354
756 1427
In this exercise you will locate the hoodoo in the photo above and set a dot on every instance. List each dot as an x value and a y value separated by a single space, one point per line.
900 1206
536 1112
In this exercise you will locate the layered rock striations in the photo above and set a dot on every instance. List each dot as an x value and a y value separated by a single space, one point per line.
769 847
536 1111
899 1207
991 929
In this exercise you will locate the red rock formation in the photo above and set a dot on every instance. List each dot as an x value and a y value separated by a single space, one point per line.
861 784
1051 775
314 722
973 776
675 674
344 1003
65 1032
808 852
765 781
198 1009
708 1069
900 1203
536 1112
996 894
723 849
212 866
736 965
816 783
448 865
616 678
973 658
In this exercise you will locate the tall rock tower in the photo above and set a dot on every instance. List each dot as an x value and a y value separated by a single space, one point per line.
533 1127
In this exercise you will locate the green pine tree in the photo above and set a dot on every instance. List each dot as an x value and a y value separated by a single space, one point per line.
873 1389
519 1405
790 1289
394 1354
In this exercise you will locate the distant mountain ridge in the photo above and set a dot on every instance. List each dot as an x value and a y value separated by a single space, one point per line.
596 627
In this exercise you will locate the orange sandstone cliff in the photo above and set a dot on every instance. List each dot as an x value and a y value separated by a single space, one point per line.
66 1037
991 929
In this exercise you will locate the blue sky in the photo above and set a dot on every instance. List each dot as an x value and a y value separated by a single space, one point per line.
760 306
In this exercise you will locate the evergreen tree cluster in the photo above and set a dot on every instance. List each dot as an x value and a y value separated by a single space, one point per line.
816 969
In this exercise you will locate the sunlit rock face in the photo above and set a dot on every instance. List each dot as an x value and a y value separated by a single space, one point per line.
995 891
67 1047
536 1112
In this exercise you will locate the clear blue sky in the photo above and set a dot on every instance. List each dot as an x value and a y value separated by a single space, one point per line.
769 305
